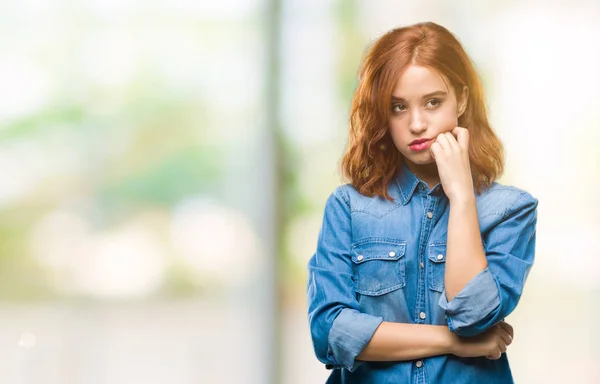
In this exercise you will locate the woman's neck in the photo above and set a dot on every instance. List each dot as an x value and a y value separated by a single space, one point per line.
428 173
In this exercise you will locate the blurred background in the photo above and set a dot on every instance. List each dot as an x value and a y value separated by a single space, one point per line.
164 167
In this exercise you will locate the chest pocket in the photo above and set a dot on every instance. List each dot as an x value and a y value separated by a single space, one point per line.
379 266
437 266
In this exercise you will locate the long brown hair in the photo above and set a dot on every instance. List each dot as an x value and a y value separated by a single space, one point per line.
371 159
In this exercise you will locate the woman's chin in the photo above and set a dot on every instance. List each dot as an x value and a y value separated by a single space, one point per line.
421 160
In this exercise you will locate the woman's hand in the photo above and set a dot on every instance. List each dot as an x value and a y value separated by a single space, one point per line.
491 343
452 158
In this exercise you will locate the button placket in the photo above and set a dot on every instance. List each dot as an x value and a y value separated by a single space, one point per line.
428 226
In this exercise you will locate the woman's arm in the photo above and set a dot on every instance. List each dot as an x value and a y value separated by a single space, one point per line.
481 288
465 257
339 330
493 293
401 341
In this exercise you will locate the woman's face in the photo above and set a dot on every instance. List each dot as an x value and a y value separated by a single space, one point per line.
422 107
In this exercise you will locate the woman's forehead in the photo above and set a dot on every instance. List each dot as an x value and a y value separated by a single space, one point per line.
417 81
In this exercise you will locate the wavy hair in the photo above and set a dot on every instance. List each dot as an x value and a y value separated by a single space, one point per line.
371 159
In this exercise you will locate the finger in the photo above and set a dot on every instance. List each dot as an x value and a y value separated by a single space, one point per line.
443 141
435 149
495 356
511 330
508 328
502 347
456 130
462 137
452 141
506 338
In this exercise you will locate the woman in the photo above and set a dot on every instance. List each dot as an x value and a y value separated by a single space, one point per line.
422 255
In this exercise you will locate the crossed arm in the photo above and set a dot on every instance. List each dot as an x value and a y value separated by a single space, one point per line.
465 259
343 336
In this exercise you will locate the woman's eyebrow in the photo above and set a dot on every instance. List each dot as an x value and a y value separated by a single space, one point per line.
431 94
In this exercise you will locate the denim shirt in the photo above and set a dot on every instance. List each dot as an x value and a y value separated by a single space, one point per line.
379 260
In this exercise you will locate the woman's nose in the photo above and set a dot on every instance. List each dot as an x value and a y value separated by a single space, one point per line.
417 122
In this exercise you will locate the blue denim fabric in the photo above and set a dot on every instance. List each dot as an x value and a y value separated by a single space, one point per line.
378 260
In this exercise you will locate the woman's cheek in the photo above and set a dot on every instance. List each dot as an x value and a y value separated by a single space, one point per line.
444 122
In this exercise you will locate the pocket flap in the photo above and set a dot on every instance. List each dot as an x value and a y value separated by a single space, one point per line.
378 250
437 253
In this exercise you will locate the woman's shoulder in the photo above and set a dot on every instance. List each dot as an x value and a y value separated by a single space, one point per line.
347 194
347 198
502 200
351 196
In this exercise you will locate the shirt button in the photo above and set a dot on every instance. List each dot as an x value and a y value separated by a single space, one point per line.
430 214
421 265
392 254
419 364
360 257
440 257
422 315
422 187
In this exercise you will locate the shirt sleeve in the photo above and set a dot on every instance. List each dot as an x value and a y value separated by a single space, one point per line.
494 292
338 329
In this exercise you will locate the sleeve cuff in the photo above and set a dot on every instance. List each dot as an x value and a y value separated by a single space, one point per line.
349 335
475 302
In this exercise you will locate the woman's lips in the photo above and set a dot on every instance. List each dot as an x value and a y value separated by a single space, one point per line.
420 146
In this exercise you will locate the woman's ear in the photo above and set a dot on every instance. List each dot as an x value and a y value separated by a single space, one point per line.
462 100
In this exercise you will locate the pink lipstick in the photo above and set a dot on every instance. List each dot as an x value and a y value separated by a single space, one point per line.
419 145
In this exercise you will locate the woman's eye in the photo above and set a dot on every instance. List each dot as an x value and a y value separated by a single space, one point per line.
398 108
434 103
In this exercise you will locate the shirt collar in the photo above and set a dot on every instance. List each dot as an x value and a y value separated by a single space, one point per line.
407 183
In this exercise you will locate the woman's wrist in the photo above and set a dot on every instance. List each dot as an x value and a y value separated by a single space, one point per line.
447 340
452 341
463 198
